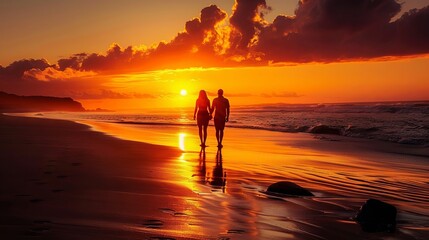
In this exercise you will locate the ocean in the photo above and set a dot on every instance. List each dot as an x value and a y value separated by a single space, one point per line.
399 122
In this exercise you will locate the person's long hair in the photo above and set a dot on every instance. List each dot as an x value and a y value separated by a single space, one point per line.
202 97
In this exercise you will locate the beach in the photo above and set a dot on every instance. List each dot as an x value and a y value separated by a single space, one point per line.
98 180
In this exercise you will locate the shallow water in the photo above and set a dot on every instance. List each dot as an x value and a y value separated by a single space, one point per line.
399 122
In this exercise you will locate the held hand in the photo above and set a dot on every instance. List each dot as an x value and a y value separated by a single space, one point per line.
194 117
226 119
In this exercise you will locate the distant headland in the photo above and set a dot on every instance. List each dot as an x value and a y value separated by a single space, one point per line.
15 103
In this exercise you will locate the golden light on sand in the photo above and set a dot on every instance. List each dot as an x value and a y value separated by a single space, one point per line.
183 92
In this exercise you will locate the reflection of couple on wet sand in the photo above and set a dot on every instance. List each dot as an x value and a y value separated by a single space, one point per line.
204 112
218 176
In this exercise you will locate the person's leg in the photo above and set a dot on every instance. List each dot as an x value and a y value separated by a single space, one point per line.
221 127
216 124
217 136
200 132
205 135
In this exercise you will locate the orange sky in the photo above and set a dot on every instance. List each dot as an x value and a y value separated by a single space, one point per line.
398 80
258 51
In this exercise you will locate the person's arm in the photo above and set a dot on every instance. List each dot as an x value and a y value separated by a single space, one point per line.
210 109
227 112
195 110
213 107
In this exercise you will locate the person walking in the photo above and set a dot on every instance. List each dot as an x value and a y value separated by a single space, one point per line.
202 112
221 109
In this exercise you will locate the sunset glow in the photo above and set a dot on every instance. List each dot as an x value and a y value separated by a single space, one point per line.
259 53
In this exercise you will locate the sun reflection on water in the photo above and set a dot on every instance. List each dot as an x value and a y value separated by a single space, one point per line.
182 141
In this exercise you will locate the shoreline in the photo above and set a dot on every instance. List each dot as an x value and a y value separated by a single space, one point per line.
172 193
325 140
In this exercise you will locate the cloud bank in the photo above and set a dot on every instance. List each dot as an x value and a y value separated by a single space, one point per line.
320 31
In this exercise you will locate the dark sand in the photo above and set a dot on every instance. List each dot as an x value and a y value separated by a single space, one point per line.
62 181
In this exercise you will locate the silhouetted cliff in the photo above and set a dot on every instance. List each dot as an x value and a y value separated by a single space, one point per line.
15 103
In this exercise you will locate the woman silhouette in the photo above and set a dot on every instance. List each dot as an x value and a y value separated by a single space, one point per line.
202 105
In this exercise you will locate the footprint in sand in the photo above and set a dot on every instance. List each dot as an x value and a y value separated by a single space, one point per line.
62 176
57 190
41 227
167 210
236 231
36 200
153 223
173 212
47 172
34 179
37 231
250 187
180 214
42 222
75 164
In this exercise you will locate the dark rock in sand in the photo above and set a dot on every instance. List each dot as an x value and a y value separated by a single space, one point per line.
288 188
377 216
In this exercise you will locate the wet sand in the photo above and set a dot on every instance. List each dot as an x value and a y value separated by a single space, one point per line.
59 180
66 182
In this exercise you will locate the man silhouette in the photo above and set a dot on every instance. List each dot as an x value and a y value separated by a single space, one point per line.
220 107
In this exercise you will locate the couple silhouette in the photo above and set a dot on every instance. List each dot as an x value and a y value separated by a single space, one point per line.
204 112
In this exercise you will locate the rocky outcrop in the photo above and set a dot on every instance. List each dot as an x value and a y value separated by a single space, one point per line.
377 216
288 188
15 103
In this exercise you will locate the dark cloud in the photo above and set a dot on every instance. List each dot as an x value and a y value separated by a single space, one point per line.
74 62
116 58
350 15
16 69
12 77
245 20
197 46
337 30
320 31
38 77
410 33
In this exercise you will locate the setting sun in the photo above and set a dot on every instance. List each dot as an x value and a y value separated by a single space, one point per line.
183 92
